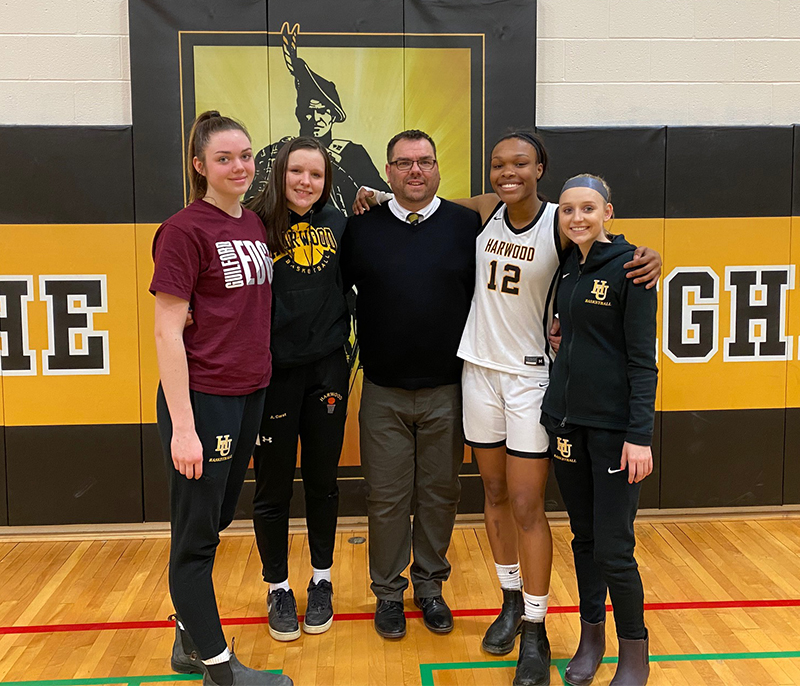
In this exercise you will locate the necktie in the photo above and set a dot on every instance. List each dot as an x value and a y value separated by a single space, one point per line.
413 218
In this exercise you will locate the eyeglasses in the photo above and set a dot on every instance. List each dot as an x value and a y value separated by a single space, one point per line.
424 164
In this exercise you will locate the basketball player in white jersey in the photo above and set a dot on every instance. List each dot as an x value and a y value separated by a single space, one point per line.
506 356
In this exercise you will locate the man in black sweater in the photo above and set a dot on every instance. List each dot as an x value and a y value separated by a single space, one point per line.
412 261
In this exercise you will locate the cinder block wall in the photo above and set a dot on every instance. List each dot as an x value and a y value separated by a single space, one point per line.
601 62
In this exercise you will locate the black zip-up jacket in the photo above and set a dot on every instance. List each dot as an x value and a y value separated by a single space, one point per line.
310 318
605 373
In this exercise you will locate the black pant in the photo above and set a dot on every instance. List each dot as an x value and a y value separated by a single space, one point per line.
227 427
309 401
601 507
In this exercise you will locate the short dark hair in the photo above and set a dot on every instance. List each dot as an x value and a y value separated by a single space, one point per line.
410 135
531 138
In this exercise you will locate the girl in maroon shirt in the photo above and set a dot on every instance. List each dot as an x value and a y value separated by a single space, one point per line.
211 256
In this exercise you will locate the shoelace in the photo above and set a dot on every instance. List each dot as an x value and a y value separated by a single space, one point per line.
284 604
317 597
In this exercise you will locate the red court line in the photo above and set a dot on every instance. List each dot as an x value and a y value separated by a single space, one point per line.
357 616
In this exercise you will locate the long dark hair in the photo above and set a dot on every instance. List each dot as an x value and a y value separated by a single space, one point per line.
271 205
534 140
206 125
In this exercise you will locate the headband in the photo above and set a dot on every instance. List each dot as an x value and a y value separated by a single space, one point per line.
586 182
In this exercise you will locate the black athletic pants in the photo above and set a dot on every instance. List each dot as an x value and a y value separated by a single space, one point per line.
309 402
200 508
602 506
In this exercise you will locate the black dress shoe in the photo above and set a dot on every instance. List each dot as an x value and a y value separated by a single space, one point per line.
390 620
435 614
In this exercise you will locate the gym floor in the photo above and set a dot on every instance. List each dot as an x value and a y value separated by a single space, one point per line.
722 594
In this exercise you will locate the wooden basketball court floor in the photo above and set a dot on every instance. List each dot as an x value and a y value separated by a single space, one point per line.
722 593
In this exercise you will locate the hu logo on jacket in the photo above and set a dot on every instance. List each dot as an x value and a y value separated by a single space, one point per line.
564 450
600 289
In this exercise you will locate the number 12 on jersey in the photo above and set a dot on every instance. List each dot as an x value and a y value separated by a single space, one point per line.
512 274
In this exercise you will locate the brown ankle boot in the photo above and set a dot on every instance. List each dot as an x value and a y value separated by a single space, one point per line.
634 663
591 648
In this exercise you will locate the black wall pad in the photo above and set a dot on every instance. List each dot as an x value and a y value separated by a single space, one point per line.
791 458
631 160
722 458
155 89
66 175
729 172
509 71
3 498
796 173
358 16
154 476
74 474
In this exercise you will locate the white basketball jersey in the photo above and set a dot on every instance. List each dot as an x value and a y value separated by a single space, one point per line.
510 312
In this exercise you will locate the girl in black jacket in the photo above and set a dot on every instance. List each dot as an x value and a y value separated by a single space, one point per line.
599 412
307 397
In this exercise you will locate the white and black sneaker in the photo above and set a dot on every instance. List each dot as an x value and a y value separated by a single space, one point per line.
282 609
319 612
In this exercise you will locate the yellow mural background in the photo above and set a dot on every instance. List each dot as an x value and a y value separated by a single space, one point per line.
382 90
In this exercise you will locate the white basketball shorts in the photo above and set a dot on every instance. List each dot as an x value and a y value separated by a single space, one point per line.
503 409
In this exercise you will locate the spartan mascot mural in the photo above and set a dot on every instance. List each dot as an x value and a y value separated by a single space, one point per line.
318 109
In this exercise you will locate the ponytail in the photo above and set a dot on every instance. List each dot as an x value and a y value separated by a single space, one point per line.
206 125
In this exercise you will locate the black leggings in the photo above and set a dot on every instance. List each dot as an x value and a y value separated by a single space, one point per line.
601 507
200 508
309 401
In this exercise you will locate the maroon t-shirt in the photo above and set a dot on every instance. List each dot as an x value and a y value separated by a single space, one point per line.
222 267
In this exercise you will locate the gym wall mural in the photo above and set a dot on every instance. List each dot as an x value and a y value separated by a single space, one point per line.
77 356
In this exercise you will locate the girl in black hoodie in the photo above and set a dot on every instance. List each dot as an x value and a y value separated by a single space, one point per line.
599 412
307 397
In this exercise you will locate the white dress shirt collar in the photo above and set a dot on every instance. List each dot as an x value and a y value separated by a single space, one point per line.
401 212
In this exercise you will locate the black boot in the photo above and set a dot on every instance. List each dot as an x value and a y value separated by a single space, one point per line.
583 666
502 633
185 659
533 666
633 667
234 673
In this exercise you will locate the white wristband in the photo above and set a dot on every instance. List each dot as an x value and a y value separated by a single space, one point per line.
380 196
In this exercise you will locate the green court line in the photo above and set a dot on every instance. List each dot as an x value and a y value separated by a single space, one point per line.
121 680
426 670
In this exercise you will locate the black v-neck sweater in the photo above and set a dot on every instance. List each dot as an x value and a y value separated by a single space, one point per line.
414 286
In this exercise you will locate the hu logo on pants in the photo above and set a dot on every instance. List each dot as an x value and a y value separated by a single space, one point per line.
564 450
223 448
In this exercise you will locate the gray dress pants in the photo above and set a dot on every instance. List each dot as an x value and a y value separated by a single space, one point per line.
412 447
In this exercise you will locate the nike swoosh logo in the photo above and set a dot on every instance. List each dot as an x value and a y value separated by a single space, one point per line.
543 385
614 471
564 276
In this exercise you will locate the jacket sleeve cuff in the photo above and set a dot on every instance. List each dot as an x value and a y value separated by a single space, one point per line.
638 439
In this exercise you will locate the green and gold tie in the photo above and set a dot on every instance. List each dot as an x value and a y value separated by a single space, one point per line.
413 218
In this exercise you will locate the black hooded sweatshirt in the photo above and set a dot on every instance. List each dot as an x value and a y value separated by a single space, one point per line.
605 373
310 318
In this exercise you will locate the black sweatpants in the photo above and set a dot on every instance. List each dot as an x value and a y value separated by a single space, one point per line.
227 427
309 402
602 506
